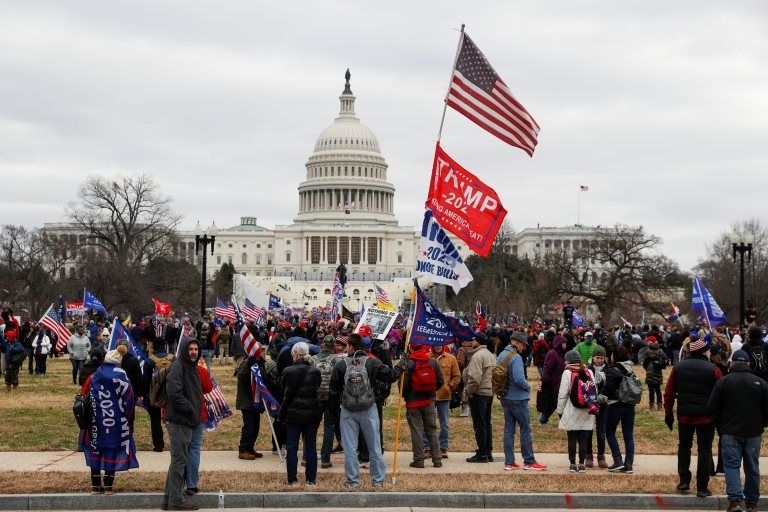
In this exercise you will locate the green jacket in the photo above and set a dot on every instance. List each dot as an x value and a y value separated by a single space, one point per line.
585 351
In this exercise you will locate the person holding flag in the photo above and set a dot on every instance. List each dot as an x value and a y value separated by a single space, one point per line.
249 404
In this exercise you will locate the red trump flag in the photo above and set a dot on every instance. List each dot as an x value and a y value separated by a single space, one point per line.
162 308
463 204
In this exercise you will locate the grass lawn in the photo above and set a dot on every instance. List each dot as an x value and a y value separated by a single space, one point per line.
39 417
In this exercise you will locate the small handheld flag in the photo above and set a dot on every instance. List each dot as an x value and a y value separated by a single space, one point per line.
92 302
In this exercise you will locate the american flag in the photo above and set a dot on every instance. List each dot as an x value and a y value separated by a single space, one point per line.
216 406
584 188
381 295
250 344
481 95
252 312
224 310
261 396
53 323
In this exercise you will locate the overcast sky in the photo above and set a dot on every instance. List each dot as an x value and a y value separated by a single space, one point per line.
661 108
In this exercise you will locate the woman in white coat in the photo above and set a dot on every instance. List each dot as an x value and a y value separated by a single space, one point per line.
41 346
577 421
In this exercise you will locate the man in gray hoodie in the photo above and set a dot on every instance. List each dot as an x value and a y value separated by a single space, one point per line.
182 415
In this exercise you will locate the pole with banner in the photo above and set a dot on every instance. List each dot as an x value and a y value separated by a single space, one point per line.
409 330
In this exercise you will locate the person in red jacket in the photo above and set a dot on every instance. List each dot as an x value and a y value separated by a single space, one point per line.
540 349
193 462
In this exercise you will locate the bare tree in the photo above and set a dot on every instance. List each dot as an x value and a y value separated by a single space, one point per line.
127 218
620 267
720 273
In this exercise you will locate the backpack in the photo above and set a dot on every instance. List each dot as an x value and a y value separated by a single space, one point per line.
659 362
630 389
584 394
423 378
500 376
83 411
157 392
325 365
357 394
17 359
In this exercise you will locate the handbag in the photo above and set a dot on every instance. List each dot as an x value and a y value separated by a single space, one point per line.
456 396
83 411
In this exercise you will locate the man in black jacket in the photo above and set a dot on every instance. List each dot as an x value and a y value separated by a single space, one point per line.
691 382
182 415
132 368
757 352
739 405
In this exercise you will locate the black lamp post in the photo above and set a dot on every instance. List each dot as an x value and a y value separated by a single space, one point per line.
205 240
742 246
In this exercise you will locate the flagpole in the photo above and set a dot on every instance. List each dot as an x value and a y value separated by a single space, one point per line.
445 100
272 427
578 208
402 380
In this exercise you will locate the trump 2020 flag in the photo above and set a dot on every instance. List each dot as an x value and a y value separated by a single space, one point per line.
438 258
120 333
704 303
274 302
578 321
433 327
92 302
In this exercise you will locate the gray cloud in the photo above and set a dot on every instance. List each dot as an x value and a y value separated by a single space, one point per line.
659 107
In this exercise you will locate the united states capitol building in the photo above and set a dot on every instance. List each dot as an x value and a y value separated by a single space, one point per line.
345 215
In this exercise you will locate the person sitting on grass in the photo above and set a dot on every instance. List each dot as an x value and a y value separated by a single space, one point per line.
108 444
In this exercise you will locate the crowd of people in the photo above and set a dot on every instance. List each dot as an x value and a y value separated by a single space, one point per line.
323 372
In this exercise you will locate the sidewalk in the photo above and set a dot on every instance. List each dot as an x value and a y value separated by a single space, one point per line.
228 461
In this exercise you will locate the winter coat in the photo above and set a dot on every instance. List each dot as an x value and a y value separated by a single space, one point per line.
540 350
554 364
300 405
737 392
43 342
420 398
613 377
133 369
518 388
572 417
449 367
479 371
654 362
376 372
78 346
184 390
244 397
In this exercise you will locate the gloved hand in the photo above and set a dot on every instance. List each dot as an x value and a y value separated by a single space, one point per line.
670 421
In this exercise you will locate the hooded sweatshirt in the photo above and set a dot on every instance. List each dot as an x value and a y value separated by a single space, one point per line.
185 394
413 398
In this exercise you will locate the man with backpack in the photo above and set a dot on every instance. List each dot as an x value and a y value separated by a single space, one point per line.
326 361
352 384
422 379
160 360
757 352
513 390
690 383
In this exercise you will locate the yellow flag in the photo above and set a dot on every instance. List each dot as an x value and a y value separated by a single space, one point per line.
385 306
127 321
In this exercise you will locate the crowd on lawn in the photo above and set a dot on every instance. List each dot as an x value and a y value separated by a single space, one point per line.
323 372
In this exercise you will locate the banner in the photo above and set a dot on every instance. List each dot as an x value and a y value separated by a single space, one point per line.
75 308
463 204
438 258
432 327
162 308
92 302
704 303
379 320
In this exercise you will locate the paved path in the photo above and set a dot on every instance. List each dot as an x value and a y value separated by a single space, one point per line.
227 460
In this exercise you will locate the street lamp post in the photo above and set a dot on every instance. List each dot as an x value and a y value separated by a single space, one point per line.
205 240
742 246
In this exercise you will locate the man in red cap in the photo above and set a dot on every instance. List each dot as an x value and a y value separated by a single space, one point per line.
14 358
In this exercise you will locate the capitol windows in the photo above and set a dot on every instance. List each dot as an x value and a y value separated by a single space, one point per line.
258 259
244 259
355 250
258 246
327 291
355 292
399 257
288 257
229 259
218 260
315 250
372 253
269 246
344 249
269 260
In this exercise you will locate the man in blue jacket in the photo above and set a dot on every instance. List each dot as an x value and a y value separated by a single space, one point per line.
515 405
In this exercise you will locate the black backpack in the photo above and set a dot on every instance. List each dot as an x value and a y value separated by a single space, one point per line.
83 411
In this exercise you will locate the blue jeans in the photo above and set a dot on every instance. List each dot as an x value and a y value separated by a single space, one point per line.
329 432
600 429
77 367
443 408
207 355
309 433
734 449
192 470
352 424
516 412
624 414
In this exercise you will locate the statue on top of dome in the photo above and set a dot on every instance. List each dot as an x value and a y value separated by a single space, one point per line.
347 89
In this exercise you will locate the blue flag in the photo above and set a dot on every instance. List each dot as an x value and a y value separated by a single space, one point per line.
92 302
433 327
120 333
578 321
274 302
703 303
62 310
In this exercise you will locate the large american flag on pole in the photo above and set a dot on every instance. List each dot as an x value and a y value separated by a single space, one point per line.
480 94
250 344
55 325
224 310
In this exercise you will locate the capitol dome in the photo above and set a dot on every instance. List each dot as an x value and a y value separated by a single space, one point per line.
346 180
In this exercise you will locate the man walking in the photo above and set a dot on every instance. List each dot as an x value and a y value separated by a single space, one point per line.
182 415
691 382
326 361
739 406
422 379
480 394
515 405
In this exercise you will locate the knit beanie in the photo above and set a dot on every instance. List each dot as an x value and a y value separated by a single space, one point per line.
329 341
116 356
572 357
599 351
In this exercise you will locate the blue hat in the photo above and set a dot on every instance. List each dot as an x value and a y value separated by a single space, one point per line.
740 356
367 342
